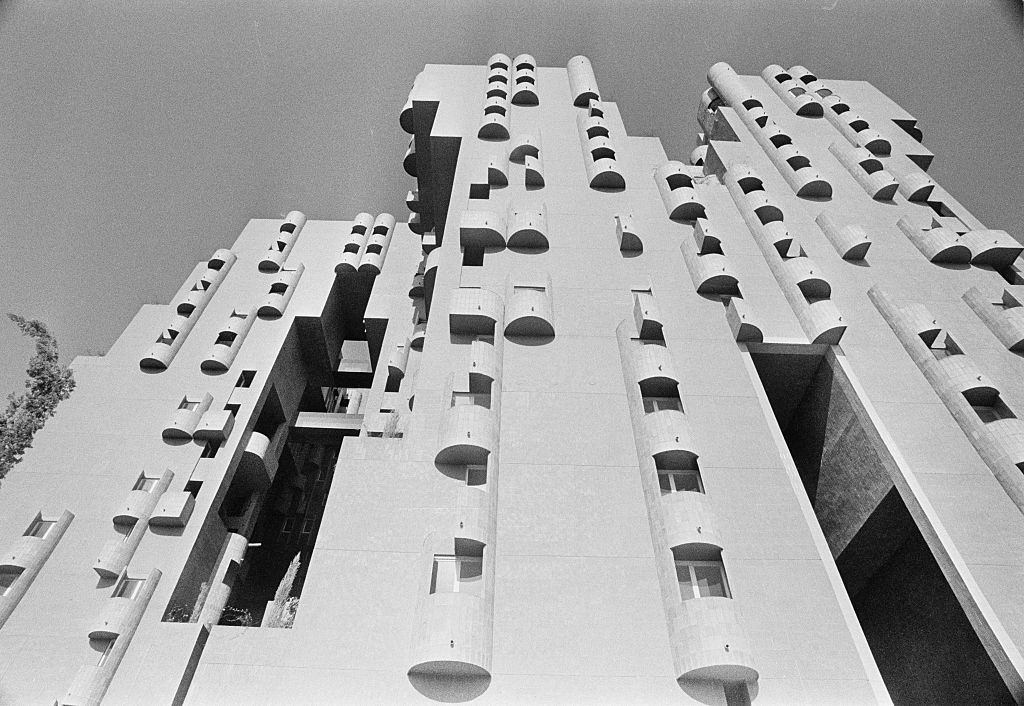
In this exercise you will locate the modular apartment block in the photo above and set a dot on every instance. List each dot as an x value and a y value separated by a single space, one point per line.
591 426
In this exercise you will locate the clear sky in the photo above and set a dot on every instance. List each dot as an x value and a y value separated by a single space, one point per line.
138 137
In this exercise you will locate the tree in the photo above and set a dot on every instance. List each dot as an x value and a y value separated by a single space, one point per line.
282 610
47 385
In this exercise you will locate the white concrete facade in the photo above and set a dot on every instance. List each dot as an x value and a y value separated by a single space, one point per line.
554 407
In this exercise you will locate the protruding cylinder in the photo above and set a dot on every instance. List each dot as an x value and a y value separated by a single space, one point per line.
582 84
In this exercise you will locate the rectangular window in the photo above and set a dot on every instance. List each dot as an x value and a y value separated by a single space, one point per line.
308 524
144 483
246 378
39 527
701 579
455 573
8 575
128 588
186 403
679 481
657 404
471 398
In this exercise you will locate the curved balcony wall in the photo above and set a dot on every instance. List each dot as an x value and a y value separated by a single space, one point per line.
528 229
699 155
648 318
850 241
802 272
499 72
233 552
497 89
349 262
468 435
91 681
595 127
534 171
796 98
822 322
484 365
764 207
417 224
995 248
474 311
495 124
419 333
221 261
282 246
742 323
713 275
161 353
915 185
117 615
582 84
959 374
709 643
626 233
939 245
690 519
416 288
524 80
412 200
398 361
409 160
604 174
174 510
117 553
677 193
484 229
524 144
29 554
497 170
1005 440
281 291
866 170
653 367
229 340
802 178
1005 320
706 238
184 420
355 243
668 434
430 276
529 313
499 61
216 425
377 244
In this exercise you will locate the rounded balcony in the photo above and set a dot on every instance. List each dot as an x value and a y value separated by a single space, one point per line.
222 260
525 90
1007 436
682 204
195 299
398 361
136 505
528 229
478 228
810 184
499 61
468 435
406 119
113 558
763 207
604 174
24 552
117 616
409 160
349 262
880 184
802 272
452 652
273 259
960 374
916 186
582 84
708 642
690 518
182 423
534 172
873 141
698 155
653 366
713 275
483 363
529 314
494 126
995 248
524 144
474 311
668 437
159 356
419 332
822 322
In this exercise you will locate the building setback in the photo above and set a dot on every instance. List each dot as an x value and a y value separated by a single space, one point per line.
592 426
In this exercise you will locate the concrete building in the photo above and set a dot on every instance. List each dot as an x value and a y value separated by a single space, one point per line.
592 426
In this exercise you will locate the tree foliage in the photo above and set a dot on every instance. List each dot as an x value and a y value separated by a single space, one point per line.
48 383
282 610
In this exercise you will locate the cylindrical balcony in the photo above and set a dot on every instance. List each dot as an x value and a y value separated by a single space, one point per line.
281 290
409 160
667 434
690 519
604 174
524 144
478 228
802 272
959 374
709 643
713 275
822 322
118 613
528 229
652 365
26 551
529 313
483 363
995 248
137 504
474 311
468 435
582 84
